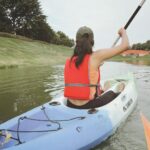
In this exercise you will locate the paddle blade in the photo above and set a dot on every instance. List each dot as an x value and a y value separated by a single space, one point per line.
146 125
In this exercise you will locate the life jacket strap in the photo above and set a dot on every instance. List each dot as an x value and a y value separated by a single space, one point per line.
82 85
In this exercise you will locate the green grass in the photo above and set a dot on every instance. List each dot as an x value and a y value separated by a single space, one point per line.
21 51
18 51
128 58
144 60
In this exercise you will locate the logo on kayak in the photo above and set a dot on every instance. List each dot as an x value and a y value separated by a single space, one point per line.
128 104
123 98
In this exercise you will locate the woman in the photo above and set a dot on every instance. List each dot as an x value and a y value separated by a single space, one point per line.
82 74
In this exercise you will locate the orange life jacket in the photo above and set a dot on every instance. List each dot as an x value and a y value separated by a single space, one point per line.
77 82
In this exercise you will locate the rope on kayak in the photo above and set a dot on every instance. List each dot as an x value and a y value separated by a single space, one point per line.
10 137
51 121
4 133
18 125
44 120
28 131
22 131
17 131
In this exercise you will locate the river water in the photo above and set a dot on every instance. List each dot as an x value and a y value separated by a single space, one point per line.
22 89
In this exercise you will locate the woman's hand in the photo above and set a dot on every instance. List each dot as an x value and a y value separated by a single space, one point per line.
122 32
125 42
104 54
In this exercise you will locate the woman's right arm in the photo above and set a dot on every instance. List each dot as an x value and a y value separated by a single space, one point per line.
104 54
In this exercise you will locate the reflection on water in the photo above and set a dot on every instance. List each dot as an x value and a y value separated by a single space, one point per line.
24 88
55 82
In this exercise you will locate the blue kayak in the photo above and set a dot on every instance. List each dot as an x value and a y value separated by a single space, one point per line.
58 127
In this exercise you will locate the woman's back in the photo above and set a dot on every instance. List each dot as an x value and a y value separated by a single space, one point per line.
83 47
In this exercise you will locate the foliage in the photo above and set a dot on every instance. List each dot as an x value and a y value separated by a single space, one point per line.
25 17
142 46
62 39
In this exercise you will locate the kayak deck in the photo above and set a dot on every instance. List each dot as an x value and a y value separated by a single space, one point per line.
48 122
45 121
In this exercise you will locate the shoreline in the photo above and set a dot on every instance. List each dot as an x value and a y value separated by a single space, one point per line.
16 53
143 60
19 52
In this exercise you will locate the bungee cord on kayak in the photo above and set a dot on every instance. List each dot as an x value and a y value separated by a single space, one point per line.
63 120
4 132
51 121
1 134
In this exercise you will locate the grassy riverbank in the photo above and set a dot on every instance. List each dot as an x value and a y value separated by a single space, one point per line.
143 60
19 51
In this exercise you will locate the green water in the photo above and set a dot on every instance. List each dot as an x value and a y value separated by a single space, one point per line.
22 89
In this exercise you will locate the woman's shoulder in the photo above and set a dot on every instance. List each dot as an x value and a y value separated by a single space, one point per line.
96 59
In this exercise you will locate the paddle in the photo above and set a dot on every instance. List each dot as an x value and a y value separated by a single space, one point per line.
146 125
130 20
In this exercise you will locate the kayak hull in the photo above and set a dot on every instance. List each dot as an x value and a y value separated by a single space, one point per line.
61 127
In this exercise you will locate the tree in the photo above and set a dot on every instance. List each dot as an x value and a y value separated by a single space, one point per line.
21 13
5 24
63 39
25 17
142 46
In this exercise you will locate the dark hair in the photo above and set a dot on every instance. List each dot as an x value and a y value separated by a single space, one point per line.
83 46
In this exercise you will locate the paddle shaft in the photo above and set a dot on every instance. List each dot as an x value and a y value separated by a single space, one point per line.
130 20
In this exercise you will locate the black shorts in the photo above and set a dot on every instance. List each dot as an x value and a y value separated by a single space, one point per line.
97 102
